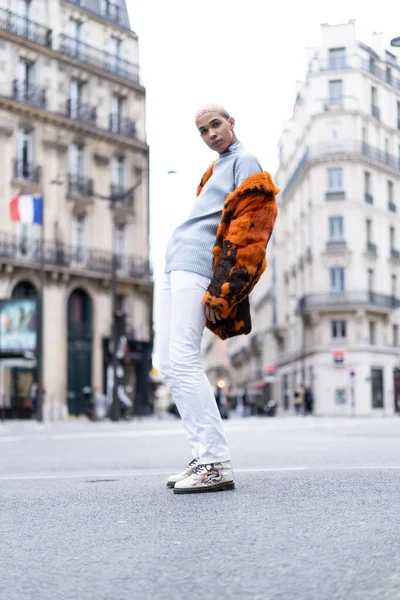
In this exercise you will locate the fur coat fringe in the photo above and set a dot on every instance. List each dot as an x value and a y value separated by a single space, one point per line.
248 218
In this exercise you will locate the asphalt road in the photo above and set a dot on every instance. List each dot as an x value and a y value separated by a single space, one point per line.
85 513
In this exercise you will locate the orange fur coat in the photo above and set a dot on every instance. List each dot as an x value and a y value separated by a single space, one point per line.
248 218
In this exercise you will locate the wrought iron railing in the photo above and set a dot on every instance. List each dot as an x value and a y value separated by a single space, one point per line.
26 171
368 198
28 93
371 247
25 28
346 299
81 112
80 185
120 192
346 147
112 11
105 61
376 112
122 125
336 246
27 250
394 253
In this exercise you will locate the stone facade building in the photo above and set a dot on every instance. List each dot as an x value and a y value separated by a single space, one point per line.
72 129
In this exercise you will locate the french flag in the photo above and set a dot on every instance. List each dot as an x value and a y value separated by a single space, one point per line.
27 209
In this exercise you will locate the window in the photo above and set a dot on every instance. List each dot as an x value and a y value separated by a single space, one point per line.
24 8
25 147
370 277
336 228
337 58
335 179
117 112
394 286
374 102
398 114
337 279
372 65
368 230
388 74
114 54
372 332
390 191
24 89
336 90
367 182
76 98
395 335
338 329
392 237
120 240
377 388
77 160
118 173
79 240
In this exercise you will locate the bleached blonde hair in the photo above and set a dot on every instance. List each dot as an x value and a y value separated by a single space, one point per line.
218 108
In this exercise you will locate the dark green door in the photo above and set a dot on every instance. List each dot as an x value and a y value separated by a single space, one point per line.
79 332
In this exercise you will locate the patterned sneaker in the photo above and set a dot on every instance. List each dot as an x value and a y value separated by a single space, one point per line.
179 476
216 477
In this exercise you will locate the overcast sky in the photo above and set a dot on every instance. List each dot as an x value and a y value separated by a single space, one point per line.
245 55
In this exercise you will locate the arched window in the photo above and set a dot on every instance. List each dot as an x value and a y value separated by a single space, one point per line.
24 290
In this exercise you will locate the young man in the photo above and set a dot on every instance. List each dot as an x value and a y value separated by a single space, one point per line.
204 285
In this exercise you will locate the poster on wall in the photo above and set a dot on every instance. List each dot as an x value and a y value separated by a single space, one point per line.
17 326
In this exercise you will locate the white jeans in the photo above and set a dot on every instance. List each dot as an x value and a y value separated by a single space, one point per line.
181 326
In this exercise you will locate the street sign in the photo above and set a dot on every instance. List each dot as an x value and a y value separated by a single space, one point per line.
338 357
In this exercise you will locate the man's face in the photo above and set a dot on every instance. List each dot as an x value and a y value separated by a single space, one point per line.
217 131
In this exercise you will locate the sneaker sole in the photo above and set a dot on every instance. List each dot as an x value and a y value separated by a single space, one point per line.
222 487
170 484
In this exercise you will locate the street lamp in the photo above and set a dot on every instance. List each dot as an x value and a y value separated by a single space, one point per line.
114 200
40 311
395 42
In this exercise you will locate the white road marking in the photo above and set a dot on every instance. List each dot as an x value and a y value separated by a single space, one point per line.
158 472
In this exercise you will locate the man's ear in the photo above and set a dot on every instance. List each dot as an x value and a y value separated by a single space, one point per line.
231 120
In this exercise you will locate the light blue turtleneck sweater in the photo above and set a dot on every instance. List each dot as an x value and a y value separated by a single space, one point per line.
190 247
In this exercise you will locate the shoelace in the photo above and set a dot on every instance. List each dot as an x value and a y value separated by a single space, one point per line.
208 468
192 463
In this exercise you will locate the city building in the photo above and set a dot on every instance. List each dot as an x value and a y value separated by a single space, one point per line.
72 130
326 313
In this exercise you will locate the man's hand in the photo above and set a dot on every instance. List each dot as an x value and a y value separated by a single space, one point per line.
212 314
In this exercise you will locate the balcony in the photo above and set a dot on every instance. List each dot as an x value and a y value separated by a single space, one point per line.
394 254
26 172
61 255
335 195
81 112
376 112
99 59
78 185
122 126
371 248
392 207
332 301
112 11
30 94
336 246
121 194
368 198
24 28
379 73
345 148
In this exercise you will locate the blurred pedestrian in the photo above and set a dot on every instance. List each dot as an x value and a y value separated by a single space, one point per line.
308 401
208 277
299 400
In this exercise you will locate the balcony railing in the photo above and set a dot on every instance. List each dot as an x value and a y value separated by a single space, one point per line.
345 148
25 28
62 255
380 73
368 198
89 55
336 246
122 125
394 253
78 185
371 248
28 172
121 191
392 207
332 300
376 112
81 112
111 11
30 94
